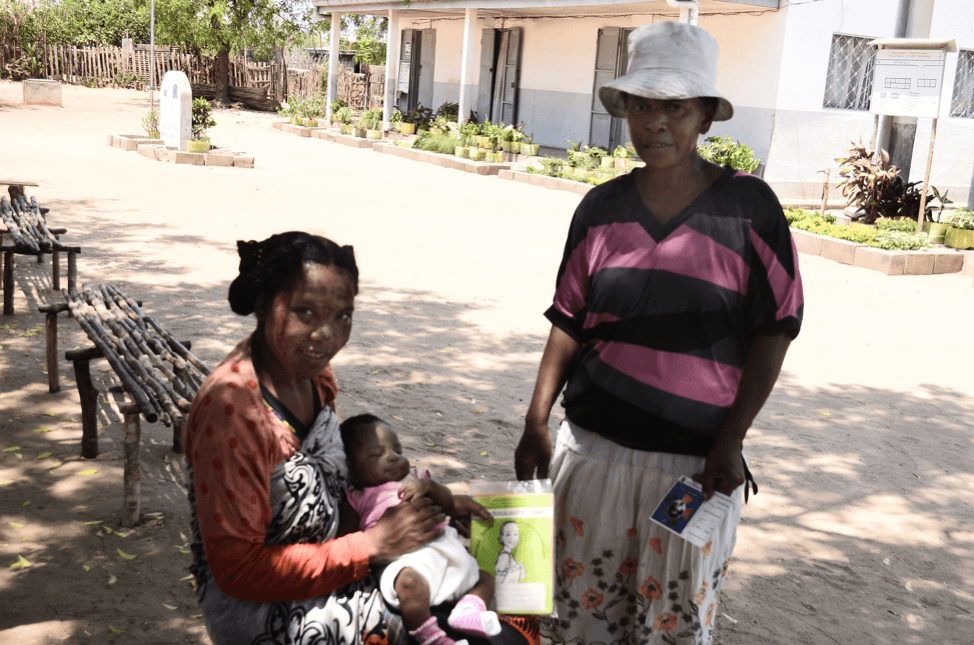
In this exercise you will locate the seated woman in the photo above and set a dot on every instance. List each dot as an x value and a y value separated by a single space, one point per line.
268 471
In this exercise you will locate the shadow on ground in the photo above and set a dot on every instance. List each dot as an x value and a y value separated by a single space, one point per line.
899 521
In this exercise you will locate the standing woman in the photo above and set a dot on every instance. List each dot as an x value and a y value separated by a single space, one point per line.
677 297
268 470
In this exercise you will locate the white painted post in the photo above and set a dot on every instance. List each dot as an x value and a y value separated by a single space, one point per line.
392 68
334 51
152 55
467 61
689 10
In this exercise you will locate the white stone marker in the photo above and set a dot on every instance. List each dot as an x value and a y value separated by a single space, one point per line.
176 110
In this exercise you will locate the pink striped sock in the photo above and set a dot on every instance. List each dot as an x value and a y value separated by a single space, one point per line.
429 633
471 616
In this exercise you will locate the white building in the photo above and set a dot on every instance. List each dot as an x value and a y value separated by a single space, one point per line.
797 71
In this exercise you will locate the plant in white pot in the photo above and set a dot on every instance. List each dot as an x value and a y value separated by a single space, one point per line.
202 121
151 124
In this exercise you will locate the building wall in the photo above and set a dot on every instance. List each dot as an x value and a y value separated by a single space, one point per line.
807 137
772 67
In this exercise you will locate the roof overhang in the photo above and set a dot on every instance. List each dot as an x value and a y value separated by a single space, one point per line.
433 9
949 45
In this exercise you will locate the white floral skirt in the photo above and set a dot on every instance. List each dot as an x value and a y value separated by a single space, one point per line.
620 578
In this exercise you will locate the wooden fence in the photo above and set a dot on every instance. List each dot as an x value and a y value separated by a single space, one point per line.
115 66
103 66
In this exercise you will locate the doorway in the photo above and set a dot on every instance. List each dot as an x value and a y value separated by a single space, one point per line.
611 59
416 65
500 75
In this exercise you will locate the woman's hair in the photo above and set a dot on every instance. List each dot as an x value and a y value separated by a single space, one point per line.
350 426
267 267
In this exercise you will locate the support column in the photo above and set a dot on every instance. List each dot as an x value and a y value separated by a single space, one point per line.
334 50
467 61
392 68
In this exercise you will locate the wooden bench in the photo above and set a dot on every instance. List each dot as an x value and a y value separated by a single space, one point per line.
159 374
26 226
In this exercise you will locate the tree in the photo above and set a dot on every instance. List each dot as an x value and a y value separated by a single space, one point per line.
225 26
370 33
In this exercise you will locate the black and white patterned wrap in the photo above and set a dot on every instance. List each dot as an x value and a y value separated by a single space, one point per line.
306 495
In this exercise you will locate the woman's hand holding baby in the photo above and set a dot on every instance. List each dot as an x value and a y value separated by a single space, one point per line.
404 528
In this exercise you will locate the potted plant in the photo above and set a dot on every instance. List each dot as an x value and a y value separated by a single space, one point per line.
418 116
373 121
202 121
476 153
599 158
529 147
296 105
361 127
516 140
506 137
936 229
337 105
151 124
620 155
960 235
287 111
396 119
345 116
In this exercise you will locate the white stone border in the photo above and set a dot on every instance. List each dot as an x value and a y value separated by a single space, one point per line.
156 149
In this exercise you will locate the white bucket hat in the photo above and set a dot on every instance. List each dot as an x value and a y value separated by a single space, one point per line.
668 60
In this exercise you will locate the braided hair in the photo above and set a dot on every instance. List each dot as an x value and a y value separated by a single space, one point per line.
267 267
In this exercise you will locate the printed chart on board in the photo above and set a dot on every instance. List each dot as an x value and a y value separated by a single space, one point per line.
908 82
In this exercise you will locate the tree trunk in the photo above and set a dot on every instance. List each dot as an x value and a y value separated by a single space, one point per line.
221 69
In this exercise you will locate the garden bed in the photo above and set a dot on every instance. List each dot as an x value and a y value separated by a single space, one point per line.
442 160
157 149
923 262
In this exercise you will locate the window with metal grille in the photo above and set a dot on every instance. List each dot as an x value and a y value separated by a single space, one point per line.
850 77
962 102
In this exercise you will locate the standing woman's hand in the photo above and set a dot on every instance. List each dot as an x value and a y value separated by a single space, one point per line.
533 454
404 528
724 469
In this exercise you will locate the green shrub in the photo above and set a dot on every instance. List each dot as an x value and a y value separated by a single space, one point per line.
900 241
724 151
812 223
901 224
961 218
436 143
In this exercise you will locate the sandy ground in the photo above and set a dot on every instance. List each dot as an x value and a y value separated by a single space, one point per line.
862 532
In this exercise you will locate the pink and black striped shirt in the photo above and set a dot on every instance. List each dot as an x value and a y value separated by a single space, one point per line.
666 313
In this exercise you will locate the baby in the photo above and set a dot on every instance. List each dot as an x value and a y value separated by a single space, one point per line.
438 572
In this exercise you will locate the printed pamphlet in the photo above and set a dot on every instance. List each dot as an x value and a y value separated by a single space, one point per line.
516 548
684 511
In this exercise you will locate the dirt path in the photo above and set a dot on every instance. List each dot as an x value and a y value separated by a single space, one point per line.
862 532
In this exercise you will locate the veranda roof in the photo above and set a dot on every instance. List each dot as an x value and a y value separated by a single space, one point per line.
539 8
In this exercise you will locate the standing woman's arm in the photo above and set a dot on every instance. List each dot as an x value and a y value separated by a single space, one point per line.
533 453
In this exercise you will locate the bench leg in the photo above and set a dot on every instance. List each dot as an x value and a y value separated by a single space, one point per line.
89 410
72 271
131 445
40 258
8 283
50 332
56 271
178 427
